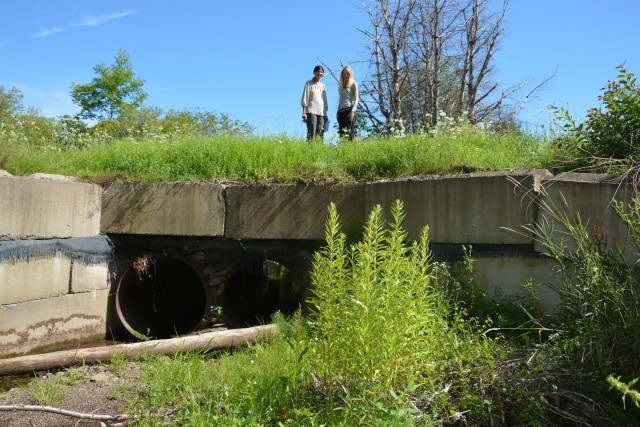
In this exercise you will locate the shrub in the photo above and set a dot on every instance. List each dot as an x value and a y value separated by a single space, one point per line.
611 131
387 339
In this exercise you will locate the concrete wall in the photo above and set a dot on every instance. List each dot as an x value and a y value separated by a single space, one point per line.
176 209
48 206
56 274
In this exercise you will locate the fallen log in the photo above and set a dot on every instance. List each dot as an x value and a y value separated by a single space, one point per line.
209 341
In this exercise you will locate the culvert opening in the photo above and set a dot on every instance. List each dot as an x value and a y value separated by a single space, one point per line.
256 290
160 298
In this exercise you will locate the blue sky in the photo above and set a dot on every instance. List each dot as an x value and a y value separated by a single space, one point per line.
250 59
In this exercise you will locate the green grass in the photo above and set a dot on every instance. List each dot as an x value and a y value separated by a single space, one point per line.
283 158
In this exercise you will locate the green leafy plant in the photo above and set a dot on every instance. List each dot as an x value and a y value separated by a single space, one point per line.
112 92
48 390
610 134
598 317
626 390
385 330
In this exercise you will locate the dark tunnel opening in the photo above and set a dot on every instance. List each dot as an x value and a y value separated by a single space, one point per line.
256 290
160 298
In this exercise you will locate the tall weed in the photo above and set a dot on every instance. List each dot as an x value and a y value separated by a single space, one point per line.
388 342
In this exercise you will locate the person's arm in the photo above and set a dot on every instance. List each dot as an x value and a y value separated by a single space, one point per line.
352 114
304 100
324 100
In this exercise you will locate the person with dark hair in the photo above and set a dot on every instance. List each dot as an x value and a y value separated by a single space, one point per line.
348 101
314 105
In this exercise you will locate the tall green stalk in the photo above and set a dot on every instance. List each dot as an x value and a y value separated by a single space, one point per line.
384 330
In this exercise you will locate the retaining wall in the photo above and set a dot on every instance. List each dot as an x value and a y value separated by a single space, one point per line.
66 245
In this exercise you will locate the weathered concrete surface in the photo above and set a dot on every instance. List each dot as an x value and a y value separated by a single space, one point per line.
52 321
52 291
462 209
47 208
57 291
290 211
506 277
589 196
176 209
35 279
88 277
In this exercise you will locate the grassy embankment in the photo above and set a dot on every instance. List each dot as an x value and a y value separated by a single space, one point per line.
284 159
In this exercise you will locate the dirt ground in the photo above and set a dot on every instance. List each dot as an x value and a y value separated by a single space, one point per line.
94 390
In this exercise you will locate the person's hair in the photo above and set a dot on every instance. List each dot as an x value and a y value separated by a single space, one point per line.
317 68
350 82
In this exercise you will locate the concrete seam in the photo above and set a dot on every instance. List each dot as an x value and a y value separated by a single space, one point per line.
225 205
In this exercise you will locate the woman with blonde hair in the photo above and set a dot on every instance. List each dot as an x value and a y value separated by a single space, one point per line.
348 92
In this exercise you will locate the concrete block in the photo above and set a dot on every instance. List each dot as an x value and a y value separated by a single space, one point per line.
506 277
182 208
88 277
47 208
589 196
52 322
33 279
476 209
293 211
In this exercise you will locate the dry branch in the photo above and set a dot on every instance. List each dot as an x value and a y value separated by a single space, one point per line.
74 414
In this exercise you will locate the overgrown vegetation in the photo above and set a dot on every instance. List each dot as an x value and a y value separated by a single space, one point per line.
384 345
607 140
228 156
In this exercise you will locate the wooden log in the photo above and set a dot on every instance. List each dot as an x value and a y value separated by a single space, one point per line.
66 358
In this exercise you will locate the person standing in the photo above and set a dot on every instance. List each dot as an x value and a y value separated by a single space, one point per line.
314 104
347 104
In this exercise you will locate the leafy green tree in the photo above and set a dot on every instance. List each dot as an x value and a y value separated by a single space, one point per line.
612 131
113 91
10 104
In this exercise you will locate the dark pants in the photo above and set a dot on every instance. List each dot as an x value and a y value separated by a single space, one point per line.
315 126
346 126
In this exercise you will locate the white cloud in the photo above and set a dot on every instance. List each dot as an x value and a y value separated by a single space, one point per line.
44 33
91 21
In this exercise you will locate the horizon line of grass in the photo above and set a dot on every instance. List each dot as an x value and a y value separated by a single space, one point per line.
285 159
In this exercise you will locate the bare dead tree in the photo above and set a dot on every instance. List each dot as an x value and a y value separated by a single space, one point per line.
436 23
391 22
428 57
482 31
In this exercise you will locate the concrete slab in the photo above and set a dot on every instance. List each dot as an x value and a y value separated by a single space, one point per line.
295 211
52 322
182 208
34 279
590 196
43 209
465 209
88 277
506 277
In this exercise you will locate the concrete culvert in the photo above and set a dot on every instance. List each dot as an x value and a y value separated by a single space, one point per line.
160 298
256 290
